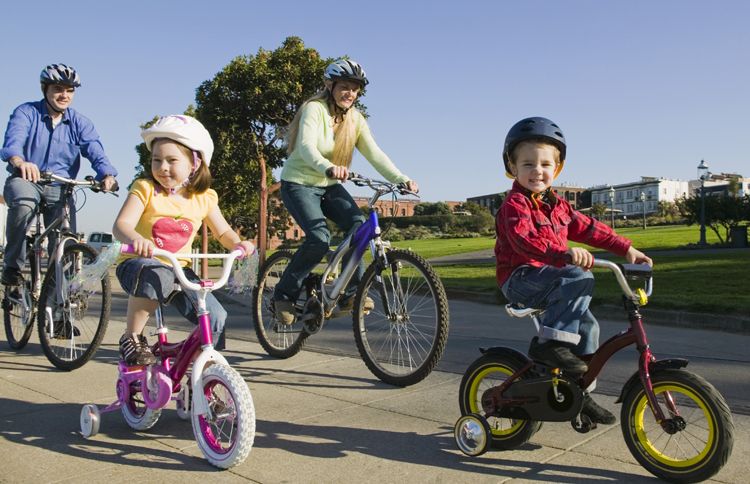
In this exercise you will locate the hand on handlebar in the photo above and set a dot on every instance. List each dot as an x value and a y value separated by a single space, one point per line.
410 186
635 256
109 184
247 247
580 257
338 172
142 247
28 171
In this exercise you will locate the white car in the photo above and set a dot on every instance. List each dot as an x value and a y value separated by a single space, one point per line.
100 240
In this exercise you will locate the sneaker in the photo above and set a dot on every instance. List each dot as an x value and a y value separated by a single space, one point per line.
346 305
597 413
63 330
136 353
284 311
556 354
12 277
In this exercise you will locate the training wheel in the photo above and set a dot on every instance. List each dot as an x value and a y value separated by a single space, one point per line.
90 418
184 401
472 434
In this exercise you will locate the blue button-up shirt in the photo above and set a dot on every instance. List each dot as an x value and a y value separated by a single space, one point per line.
31 136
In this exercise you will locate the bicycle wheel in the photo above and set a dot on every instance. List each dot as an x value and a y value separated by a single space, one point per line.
403 337
134 410
279 340
695 442
226 433
71 330
486 372
18 314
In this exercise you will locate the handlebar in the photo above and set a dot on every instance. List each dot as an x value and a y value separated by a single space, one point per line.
632 271
380 186
88 182
208 285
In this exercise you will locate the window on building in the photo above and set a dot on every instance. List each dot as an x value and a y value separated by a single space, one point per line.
296 234
403 212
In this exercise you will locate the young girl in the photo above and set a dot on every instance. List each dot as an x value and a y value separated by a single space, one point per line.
321 140
165 210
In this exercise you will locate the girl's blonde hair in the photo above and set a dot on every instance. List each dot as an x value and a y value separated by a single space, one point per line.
199 181
344 129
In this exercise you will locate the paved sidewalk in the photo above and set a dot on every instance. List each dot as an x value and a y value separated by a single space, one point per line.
320 418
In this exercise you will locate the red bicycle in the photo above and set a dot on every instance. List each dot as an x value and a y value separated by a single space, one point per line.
675 423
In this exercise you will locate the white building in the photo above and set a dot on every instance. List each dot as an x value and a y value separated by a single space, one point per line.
630 197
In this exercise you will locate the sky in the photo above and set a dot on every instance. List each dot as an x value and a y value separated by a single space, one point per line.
639 88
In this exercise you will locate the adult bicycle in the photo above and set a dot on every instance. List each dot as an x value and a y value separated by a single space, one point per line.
401 339
71 321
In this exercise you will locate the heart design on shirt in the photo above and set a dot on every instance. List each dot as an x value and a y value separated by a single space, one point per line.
171 234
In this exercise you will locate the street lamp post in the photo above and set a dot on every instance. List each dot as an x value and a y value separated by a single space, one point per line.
703 175
643 205
612 204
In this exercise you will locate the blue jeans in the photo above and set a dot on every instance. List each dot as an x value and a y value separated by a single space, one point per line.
23 197
310 206
565 294
150 279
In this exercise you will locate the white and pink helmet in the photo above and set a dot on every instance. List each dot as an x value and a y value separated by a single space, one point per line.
184 129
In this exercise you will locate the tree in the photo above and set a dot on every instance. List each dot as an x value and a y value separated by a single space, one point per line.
598 211
722 213
246 108
427 208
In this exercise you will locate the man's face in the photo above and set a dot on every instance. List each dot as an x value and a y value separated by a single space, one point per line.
59 96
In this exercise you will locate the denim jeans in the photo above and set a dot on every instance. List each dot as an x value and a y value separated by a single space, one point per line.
151 279
23 198
565 294
310 206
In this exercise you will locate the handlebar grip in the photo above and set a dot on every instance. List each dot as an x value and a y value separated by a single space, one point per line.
126 249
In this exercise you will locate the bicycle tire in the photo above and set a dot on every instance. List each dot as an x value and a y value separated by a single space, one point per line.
73 337
18 322
401 348
486 372
278 340
700 443
225 435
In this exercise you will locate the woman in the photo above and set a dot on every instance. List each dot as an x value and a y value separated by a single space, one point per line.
320 143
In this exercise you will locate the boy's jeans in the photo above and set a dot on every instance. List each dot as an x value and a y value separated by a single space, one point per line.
310 206
564 293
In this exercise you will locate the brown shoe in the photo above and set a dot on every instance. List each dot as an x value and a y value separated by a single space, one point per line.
556 354
284 311
346 305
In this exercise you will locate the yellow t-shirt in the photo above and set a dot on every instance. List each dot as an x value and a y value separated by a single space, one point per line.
171 221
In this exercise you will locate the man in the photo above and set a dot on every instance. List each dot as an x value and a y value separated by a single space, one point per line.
46 135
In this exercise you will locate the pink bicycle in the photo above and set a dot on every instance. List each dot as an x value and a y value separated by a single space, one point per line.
214 396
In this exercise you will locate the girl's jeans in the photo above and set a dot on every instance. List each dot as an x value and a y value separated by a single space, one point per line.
564 293
310 206
151 279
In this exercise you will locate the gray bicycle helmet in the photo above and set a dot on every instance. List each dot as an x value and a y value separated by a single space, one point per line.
60 74
346 70
535 128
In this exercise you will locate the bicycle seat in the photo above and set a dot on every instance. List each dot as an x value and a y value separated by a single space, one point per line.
518 311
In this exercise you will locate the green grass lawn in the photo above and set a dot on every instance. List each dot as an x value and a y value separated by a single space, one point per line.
701 283
653 238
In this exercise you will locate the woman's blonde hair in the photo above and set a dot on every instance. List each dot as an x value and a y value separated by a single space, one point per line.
344 129
200 179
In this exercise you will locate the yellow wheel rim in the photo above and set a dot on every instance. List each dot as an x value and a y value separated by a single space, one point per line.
499 426
685 448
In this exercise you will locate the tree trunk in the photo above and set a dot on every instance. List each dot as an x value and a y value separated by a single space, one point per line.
204 249
262 212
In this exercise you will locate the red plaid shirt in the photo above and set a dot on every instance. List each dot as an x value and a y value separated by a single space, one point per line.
532 230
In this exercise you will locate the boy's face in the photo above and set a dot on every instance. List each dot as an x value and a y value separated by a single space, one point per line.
534 166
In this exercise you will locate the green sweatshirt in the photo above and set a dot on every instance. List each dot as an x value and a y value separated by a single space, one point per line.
313 149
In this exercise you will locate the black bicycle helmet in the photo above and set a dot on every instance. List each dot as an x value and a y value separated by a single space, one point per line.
346 70
60 74
535 128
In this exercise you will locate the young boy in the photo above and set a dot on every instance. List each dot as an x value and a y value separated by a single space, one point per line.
535 266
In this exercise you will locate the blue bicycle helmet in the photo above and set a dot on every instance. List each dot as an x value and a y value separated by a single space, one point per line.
535 128
346 70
